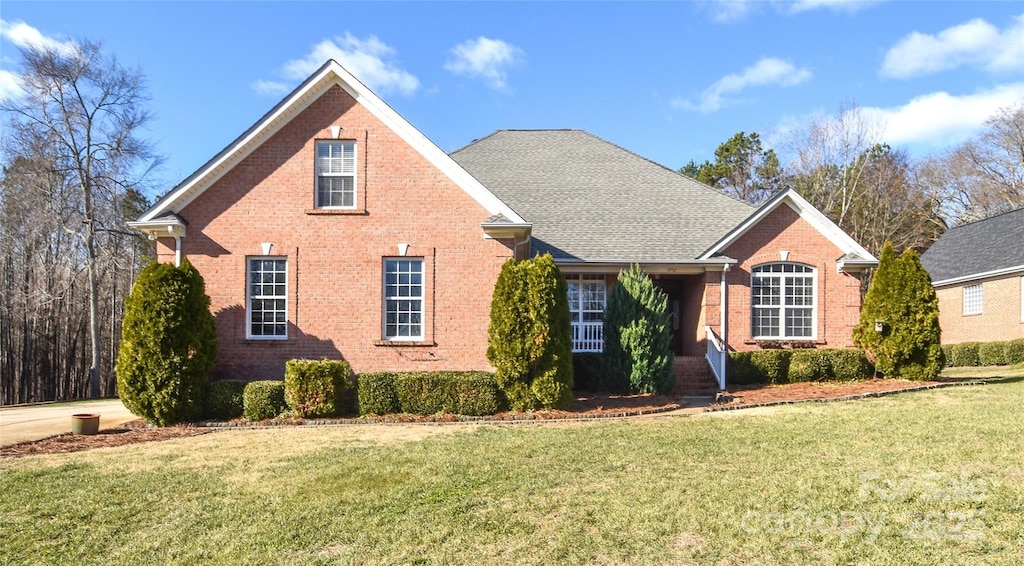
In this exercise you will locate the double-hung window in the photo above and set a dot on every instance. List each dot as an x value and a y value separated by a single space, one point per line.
336 174
783 301
403 299
587 299
267 304
973 299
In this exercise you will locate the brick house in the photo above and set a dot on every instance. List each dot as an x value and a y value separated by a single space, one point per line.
332 227
977 270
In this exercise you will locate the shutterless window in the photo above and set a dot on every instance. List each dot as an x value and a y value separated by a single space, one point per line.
587 298
267 282
973 299
783 301
403 299
336 174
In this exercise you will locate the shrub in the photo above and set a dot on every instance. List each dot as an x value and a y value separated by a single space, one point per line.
809 365
947 354
740 370
1015 351
965 354
992 354
224 399
263 399
376 394
849 364
429 392
530 335
587 371
901 295
772 364
637 337
316 388
168 345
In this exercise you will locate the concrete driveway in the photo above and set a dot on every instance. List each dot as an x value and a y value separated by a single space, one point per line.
33 422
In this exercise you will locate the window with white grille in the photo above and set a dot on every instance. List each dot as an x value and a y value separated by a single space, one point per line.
336 174
587 298
267 304
403 299
973 299
783 301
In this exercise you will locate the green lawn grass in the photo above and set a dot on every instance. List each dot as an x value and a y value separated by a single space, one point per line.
933 477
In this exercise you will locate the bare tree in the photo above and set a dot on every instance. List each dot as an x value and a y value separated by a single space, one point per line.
79 119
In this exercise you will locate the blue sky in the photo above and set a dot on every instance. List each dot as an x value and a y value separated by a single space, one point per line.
668 80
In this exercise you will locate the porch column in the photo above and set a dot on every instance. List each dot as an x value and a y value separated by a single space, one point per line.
724 326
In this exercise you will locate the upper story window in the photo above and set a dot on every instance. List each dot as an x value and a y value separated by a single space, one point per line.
783 300
973 299
267 304
336 174
587 299
403 299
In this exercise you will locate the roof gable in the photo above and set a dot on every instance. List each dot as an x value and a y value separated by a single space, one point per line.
329 75
853 253
591 200
980 249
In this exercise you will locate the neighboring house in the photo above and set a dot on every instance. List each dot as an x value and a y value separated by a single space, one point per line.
978 273
332 227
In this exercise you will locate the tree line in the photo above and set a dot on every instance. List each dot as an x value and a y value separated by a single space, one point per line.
876 193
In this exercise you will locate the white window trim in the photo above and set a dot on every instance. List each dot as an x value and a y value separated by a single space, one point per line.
579 279
1022 298
354 175
248 299
782 299
384 301
980 300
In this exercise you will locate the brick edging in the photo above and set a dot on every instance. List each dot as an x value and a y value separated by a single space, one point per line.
853 397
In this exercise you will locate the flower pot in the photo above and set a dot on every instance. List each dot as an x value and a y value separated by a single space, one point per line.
85 423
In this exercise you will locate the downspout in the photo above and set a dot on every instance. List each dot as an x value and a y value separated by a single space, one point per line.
177 251
725 324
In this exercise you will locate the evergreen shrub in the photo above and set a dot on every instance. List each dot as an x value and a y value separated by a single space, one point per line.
316 388
637 337
168 345
530 335
224 399
1015 351
263 399
992 354
472 393
966 354
376 394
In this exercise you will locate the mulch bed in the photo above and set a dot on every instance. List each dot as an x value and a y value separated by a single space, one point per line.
128 433
760 394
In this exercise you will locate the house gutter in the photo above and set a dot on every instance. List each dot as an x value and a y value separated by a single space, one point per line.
164 227
975 276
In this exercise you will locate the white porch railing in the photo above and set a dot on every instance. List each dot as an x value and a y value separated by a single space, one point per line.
716 356
588 336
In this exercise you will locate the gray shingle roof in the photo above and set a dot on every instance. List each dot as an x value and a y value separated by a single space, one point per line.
592 200
979 247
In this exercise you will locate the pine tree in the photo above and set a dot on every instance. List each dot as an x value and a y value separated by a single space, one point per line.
637 351
169 345
530 335
902 298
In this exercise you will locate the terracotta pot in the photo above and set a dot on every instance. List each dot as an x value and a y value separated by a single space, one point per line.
85 423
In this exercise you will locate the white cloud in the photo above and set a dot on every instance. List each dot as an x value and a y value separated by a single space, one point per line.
23 35
940 119
10 85
485 58
725 11
975 43
370 60
767 71
848 6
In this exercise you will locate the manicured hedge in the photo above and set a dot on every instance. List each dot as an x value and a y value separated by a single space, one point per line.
316 388
968 354
430 392
587 371
225 399
791 366
263 400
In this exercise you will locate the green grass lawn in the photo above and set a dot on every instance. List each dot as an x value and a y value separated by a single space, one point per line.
933 477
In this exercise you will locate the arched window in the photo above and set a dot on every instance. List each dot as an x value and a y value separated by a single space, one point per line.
783 298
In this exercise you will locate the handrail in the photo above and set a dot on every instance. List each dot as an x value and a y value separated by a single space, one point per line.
716 356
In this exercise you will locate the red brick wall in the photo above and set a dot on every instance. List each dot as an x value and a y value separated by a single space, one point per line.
838 294
335 260
1001 317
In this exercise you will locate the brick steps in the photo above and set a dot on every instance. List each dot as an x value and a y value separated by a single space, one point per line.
693 377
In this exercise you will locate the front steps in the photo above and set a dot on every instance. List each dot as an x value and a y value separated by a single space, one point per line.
693 377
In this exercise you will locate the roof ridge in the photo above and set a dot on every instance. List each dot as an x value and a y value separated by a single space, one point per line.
980 220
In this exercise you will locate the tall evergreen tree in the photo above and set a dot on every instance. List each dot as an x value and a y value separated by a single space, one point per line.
901 298
637 337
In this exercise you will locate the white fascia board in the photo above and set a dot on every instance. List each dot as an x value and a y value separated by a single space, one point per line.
160 227
811 215
668 267
330 74
977 276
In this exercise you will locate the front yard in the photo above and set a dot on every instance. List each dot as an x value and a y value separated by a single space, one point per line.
927 477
